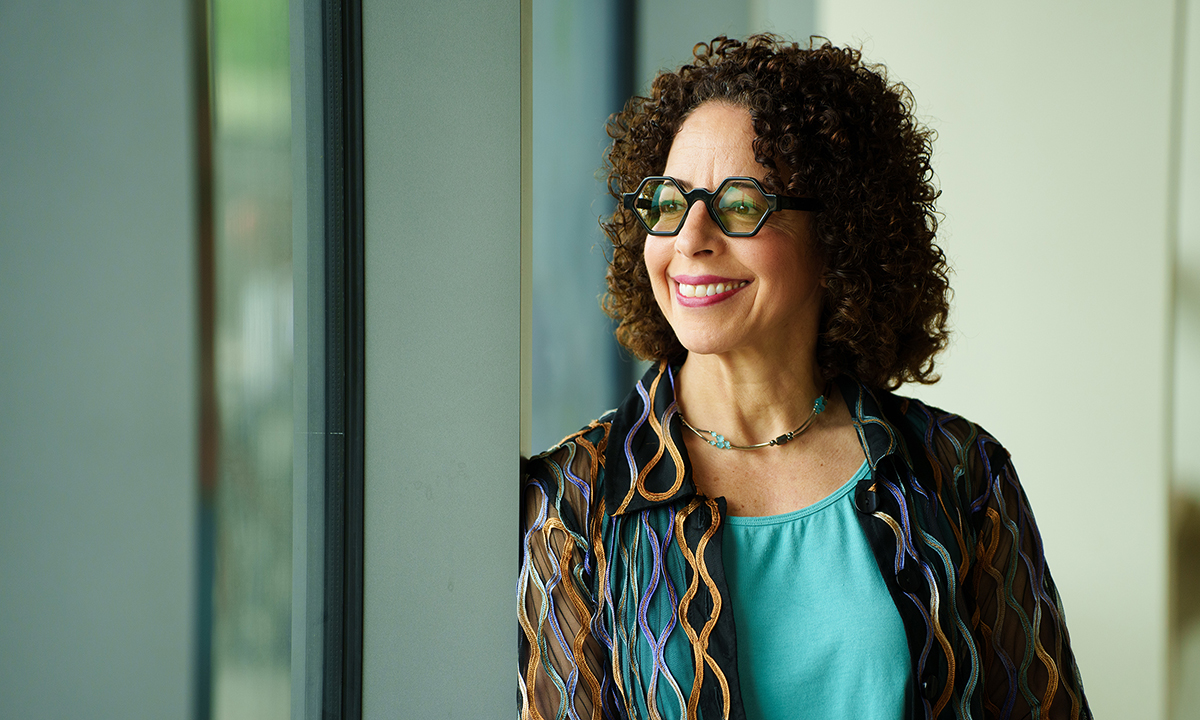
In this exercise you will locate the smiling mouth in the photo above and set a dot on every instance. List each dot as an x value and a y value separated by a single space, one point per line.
700 291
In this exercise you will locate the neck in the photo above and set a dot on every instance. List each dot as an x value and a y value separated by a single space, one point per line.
748 399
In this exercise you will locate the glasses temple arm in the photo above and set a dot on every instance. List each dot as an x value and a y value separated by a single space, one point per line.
783 202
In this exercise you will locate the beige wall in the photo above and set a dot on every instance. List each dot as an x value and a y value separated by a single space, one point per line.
1053 155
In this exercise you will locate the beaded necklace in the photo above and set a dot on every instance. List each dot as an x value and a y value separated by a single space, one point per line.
718 440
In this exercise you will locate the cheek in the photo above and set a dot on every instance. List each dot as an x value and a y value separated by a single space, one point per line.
657 256
789 271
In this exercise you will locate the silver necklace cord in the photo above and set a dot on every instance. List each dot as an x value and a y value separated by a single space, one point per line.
718 440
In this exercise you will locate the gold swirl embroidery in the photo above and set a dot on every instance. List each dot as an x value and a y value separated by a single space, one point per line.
636 486
664 442
535 656
1036 620
565 564
656 426
593 461
986 554
604 588
628 498
578 435
955 522
699 643
934 604
934 621
1051 666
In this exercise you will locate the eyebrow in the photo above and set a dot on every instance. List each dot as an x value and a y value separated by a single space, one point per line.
683 184
688 187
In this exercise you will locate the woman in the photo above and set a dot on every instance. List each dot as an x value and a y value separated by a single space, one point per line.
762 529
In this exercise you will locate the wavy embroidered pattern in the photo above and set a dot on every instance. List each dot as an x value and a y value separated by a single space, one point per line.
636 622
623 613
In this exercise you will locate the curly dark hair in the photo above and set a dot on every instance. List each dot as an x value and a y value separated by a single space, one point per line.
828 126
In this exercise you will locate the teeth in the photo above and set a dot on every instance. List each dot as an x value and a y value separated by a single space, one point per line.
708 290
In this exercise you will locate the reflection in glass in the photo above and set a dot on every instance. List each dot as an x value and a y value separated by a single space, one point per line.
1185 392
578 371
251 584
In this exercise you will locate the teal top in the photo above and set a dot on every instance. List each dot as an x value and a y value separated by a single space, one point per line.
818 635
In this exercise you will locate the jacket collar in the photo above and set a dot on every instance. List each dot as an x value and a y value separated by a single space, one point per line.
878 436
646 462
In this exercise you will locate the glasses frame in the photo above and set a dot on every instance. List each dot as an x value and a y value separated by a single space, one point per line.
700 195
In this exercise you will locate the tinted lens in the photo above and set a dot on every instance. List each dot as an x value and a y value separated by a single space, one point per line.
740 206
661 206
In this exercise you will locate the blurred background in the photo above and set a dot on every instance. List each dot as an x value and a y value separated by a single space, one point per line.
151 446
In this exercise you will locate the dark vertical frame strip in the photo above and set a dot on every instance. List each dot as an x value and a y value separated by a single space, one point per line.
356 354
345 360
206 384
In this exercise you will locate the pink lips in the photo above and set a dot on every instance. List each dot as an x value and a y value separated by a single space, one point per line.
704 280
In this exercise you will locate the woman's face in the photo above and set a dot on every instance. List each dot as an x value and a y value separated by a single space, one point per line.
767 294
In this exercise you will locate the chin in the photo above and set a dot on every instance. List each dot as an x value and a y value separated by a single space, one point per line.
699 344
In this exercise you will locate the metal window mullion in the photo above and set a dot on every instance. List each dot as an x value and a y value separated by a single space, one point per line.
345 353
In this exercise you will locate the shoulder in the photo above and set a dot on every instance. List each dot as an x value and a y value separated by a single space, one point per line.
581 450
940 446
949 435
568 478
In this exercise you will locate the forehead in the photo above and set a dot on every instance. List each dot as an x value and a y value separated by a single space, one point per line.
715 142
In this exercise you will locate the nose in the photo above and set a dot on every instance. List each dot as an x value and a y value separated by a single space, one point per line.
700 234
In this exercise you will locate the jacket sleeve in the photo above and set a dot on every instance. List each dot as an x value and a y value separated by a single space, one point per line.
1028 667
563 671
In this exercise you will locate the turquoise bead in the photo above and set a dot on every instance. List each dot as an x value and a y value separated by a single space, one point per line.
719 441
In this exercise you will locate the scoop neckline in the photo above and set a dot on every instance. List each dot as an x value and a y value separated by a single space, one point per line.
750 520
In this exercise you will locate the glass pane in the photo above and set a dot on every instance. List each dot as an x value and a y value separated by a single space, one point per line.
1185 490
740 206
575 86
666 207
252 578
